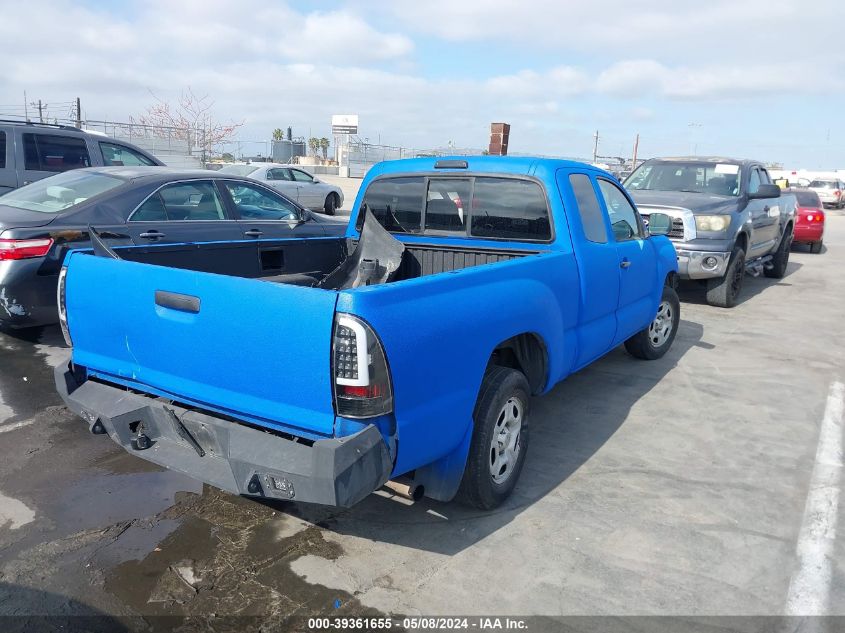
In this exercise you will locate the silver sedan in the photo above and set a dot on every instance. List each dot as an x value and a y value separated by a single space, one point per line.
294 182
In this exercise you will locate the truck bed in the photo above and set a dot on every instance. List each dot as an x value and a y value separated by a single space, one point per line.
304 262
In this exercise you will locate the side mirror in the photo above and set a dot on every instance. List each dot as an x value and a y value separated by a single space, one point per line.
659 224
765 191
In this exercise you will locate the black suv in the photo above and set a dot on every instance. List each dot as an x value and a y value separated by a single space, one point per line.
32 151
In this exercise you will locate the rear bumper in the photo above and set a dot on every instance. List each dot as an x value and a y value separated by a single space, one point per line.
237 458
27 296
812 233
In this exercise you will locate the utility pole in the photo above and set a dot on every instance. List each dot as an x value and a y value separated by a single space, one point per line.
40 111
596 146
78 114
636 147
25 108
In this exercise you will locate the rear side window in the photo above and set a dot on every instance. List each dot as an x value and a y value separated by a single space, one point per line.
592 218
120 155
182 201
50 152
396 203
444 206
511 209
2 150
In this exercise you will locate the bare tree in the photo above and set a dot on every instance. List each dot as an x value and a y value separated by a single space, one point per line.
191 118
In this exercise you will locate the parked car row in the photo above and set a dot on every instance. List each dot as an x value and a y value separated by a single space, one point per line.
363 371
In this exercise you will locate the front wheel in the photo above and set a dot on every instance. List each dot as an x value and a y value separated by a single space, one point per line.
331 204
655 340
723 291
499 439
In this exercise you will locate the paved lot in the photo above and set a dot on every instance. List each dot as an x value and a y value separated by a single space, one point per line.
672 487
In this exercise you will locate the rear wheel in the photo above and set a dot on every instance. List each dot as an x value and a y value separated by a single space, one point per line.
816 247
723 292
331 204
780 258
655 340
499 439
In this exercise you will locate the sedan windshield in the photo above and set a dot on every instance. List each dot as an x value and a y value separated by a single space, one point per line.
238 170
60 192
721 179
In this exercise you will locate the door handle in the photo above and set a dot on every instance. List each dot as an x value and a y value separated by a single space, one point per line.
625 263
766 209
152 235
253 233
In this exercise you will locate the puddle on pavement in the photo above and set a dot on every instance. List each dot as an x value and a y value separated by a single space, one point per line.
97 501
231 556
26 381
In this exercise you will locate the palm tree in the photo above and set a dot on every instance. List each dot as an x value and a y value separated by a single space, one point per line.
324 146
313 144
278 134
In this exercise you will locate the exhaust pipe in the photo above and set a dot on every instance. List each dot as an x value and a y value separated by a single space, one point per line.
406 488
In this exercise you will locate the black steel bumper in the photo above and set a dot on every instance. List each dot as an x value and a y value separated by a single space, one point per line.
231 456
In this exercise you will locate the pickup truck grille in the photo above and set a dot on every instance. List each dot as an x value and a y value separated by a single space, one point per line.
677 232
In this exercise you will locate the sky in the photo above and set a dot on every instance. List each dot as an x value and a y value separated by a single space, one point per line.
760 79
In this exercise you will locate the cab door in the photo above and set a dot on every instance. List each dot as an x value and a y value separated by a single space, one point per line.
764 214
636 261
597 267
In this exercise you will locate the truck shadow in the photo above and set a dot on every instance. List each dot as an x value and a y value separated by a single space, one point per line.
568 426
695 293
27 609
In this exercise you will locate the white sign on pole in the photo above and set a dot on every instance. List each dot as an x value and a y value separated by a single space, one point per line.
344 124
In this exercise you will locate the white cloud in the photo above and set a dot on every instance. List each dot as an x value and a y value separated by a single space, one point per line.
649 78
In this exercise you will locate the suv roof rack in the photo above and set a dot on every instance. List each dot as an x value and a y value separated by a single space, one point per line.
39 124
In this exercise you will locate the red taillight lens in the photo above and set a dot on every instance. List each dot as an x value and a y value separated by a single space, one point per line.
24 249
359 367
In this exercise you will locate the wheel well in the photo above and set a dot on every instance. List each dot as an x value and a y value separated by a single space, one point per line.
742 241
527 353
672 280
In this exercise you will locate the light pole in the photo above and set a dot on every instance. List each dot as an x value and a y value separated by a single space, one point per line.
693 146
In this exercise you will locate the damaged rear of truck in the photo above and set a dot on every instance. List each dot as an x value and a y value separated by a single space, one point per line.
318 369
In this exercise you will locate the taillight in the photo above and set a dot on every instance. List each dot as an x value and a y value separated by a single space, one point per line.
361 377
24 249
809 217
837 193
61 301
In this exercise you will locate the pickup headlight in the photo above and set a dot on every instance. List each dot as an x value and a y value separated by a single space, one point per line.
712 223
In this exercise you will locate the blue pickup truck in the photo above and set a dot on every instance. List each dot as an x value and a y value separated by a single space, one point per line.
320 369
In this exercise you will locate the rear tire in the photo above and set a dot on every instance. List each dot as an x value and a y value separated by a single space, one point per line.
816 247
331 204
499 439
654 341
780 258
722 292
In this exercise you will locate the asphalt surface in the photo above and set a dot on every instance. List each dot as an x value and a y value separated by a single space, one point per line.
688 485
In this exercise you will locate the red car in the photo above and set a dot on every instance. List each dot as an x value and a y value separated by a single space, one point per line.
809 221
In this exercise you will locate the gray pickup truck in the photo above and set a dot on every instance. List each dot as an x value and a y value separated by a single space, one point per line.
728 218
